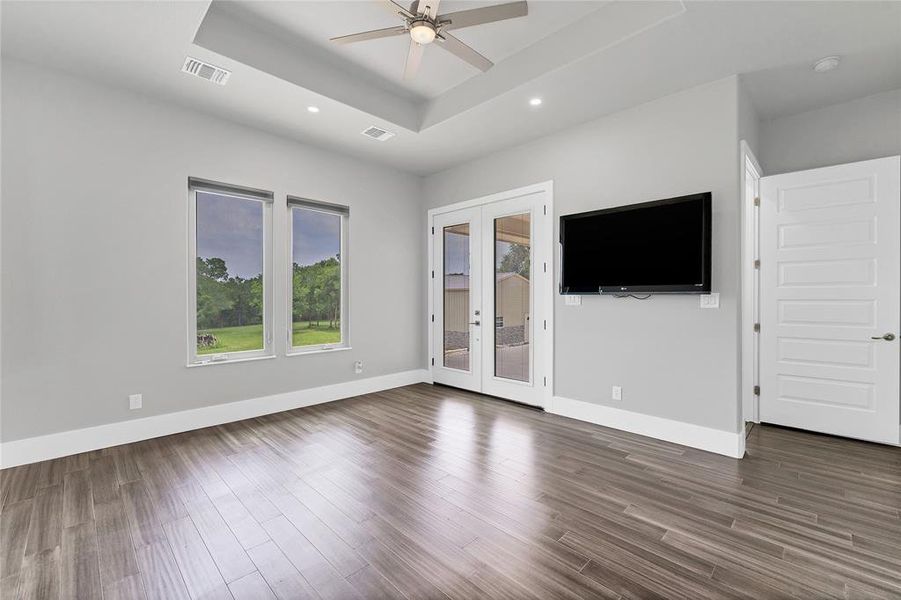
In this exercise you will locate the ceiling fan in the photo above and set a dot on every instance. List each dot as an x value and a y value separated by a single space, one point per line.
424 25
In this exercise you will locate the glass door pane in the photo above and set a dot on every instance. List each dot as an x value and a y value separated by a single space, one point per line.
456 297
512 297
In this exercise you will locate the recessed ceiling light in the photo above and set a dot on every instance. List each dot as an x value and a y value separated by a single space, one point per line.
826 64
313 109
535 102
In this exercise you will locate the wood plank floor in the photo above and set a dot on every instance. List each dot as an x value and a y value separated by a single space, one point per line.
428 492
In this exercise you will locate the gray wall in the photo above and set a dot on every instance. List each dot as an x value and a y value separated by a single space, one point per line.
861 129
748 120
94 255
673 359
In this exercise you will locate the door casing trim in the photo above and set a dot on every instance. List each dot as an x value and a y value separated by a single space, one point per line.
750 294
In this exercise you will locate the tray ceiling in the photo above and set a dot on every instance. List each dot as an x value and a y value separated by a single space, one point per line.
316 22
272 37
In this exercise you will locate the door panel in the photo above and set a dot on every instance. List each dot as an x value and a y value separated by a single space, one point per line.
514 283
457 292
829 290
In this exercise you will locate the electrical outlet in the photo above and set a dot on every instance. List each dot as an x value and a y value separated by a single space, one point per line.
617 393
135 401
358 367
573 300
710 300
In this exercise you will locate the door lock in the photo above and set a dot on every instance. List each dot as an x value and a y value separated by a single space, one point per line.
887 337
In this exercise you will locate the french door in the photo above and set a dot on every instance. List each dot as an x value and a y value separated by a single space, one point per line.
491 295
830 299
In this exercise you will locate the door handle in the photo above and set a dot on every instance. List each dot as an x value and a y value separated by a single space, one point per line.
475 322
887 337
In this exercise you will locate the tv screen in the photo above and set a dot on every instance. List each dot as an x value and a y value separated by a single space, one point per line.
652 247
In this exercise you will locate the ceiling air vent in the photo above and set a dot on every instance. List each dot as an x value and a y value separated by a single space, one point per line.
206 71
377 133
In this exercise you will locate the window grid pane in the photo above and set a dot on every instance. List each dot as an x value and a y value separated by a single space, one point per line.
229 274
316 277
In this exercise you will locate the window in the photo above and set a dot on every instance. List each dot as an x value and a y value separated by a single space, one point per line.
230 305
318 275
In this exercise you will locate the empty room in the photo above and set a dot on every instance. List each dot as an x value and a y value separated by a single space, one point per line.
450 299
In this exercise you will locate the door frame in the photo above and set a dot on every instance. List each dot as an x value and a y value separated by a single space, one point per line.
750 288
547 353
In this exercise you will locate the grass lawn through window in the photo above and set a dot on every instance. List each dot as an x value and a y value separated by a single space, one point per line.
250 337
309 334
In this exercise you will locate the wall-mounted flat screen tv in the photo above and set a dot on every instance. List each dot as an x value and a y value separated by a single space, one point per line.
660 247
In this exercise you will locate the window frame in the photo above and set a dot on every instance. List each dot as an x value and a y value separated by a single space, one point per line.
343 212
266 198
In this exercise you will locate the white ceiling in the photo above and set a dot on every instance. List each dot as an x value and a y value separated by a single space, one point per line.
795 87
584 59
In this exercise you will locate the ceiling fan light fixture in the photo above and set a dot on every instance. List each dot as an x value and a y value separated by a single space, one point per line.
423 23
422 32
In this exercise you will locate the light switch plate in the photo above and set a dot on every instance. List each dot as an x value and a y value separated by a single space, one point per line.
573 300
616 393
135 401
710 300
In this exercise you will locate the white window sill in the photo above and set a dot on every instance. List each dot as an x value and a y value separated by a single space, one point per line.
297 352
229 361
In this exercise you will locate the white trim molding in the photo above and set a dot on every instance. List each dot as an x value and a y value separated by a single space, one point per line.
65 443
678 432
750 306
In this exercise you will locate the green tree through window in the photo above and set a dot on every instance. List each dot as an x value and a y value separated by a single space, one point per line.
316 277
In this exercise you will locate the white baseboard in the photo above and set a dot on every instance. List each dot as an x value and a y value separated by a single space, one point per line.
54 445
695 436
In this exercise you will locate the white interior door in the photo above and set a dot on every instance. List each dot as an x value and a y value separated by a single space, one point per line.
491 293
829 299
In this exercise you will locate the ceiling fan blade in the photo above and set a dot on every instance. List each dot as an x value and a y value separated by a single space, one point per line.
462 51
488 14
397 9
370 35
422 6
414 58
